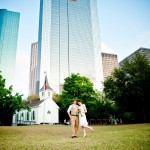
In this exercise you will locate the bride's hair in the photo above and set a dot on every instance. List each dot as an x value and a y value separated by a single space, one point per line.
80 101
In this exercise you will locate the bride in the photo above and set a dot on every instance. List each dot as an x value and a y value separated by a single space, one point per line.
82 118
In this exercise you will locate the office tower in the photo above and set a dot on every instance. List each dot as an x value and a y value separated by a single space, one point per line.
109 60
69 41
141 50
9 25
33 68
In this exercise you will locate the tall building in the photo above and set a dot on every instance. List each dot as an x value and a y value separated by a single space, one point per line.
33 68
9 25
69 41
141 50
109 60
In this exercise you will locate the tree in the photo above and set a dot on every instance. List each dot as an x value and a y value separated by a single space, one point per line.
105 108
33 97
56 98
129 86
9 103
81 88
77 87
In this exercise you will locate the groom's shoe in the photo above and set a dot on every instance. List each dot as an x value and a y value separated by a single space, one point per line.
74 137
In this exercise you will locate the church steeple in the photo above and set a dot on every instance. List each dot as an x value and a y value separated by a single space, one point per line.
46 84
46 91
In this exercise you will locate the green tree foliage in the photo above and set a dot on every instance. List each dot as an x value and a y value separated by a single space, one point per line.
81 88
129 86
106 106
8 103
56 98
33 97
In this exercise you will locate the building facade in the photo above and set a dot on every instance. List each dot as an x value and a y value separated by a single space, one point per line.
69 41
141 50
33 68
110 62
9 25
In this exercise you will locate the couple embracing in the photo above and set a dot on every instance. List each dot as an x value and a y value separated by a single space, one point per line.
78 117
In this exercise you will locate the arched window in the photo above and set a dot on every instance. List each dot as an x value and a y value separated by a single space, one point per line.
27 115
22 116
33 115
17 117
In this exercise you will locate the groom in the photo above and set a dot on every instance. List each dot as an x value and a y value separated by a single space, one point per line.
74 117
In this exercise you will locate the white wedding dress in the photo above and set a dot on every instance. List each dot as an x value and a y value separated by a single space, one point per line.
82 116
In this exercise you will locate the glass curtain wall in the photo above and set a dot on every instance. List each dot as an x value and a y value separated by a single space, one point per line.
67 41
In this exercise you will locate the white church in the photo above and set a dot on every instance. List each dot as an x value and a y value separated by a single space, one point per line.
43 111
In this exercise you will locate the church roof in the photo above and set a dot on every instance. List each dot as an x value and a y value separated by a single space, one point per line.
36 103
46 84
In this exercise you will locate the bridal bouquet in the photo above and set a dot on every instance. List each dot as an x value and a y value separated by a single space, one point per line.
80 112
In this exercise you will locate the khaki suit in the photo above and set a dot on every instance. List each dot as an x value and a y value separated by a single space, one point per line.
74 118
75 125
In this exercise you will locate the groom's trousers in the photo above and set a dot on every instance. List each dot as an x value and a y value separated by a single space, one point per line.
75 125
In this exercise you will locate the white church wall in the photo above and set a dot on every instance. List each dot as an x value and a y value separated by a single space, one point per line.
40 112
24 116
51 111
55 117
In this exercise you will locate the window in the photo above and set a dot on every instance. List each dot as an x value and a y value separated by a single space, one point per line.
27 115
49 112
22 117
33 115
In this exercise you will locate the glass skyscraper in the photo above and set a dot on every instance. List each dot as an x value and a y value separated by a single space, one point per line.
69 41
33 69
9 25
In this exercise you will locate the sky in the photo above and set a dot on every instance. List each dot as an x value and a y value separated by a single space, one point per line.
124 27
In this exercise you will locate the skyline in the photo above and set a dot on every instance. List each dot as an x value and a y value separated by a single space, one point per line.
124 27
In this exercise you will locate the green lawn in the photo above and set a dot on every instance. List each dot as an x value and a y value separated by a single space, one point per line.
47 137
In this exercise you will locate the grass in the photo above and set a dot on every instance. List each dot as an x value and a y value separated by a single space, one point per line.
53 137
